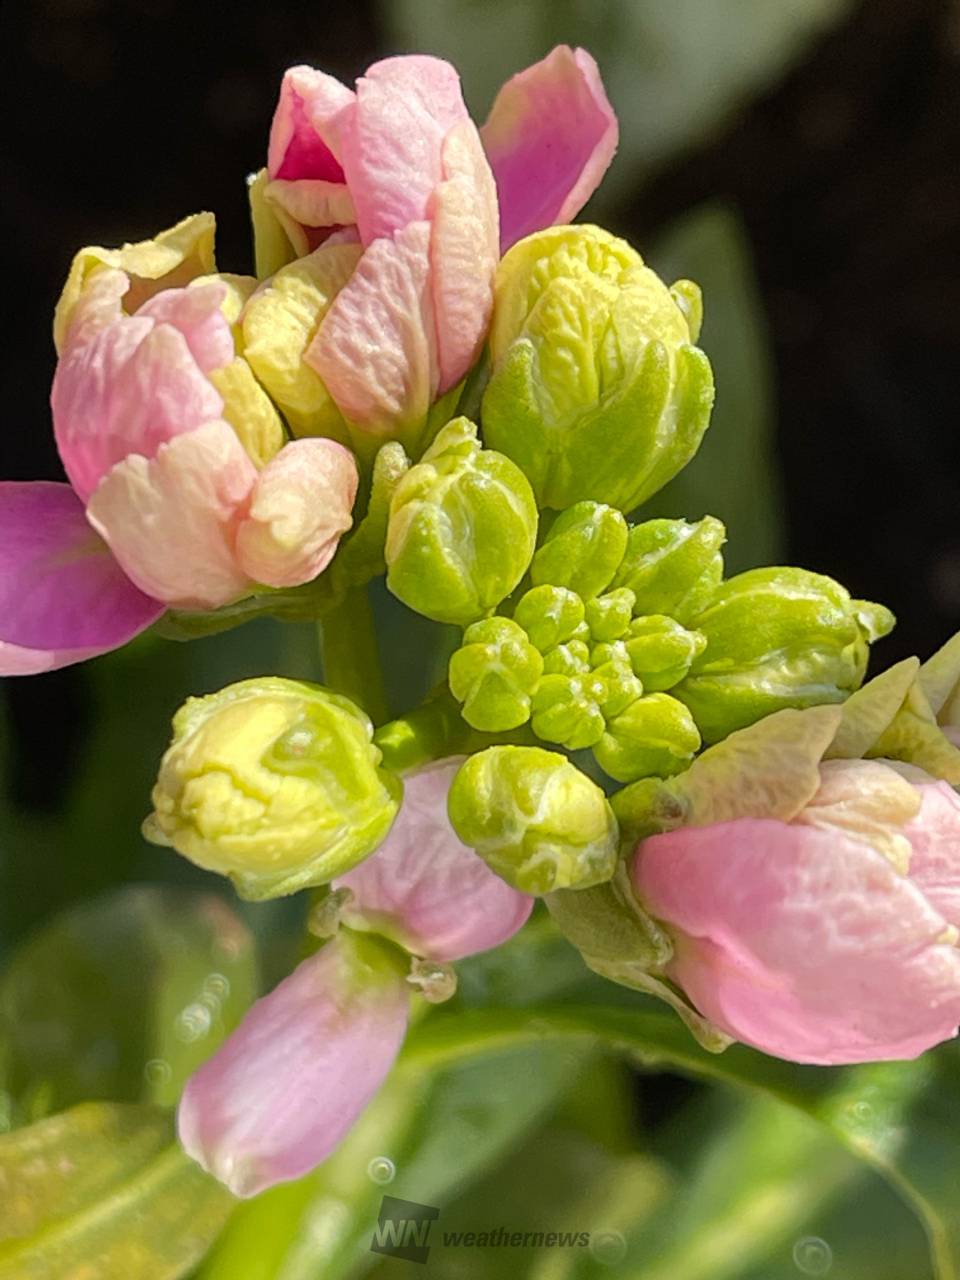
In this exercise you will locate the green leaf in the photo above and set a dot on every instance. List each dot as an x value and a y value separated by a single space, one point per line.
103 1192
734 475
901 1119
123 997
675 71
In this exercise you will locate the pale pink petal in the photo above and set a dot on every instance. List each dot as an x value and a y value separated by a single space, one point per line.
172 520
303 136
196 314
281 1093
133 386
392 140
464 252
63 597
934 835
100 304
427 890
802 942
550 137
300 507
375 348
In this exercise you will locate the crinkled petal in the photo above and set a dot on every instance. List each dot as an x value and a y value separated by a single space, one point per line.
303 136
311 202
426 889
550 137
300 507
464 252
196 313
281 1093
934 836
393 138
133 386
805 943
63 597
172 520
376 347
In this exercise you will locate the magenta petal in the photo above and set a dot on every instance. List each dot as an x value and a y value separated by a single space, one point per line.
63 597
281 1093
427 890
303 133
550 137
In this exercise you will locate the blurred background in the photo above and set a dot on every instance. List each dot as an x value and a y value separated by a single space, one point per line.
801 161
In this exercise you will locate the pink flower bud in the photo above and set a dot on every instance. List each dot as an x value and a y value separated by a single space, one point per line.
824 939
283 1090
424 888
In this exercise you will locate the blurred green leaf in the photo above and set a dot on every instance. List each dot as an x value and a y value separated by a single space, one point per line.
102 1192
734 476
675 70
123 997
901 1119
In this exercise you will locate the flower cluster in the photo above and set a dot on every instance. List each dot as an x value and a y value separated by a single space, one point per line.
437 377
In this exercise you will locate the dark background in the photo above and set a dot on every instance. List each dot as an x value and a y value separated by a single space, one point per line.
124 116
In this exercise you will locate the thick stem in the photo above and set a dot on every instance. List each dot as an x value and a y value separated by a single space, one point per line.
351 659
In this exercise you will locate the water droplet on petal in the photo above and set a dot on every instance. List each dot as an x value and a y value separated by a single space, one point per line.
381 1169
193 1023
812 1256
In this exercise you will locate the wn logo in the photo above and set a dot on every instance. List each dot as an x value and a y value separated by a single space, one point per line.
403 1229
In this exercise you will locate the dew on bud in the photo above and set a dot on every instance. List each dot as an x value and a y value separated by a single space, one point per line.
812 1256
382 1170
608 1247
157 1071
193 1023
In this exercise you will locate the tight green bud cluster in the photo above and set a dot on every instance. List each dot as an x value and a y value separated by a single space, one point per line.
597 390
630 643
535 819
462 529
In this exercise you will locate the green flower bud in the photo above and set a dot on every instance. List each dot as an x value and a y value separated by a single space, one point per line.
655 735
620 686
777 638
462 531
661 651
673 567
608 616
583 549
596 390
535 819
549 615
570 659
567 710
274 783
494 673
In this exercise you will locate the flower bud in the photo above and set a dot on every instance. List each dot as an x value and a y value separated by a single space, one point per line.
661 651
597 391
566 710
777 638
463 526
549 615
494 673
653 736
274 783
608 616
535 819
582 550
284 1089
673 567
569 659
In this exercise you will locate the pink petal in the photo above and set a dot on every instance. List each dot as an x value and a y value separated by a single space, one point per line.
133 386
463 253
63 597
375 348
282 1092
303 136
425 889
301 505
934 835
172 520
392 140
196 313
802 942
550 137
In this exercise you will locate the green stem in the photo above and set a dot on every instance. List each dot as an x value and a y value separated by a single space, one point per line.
351 659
